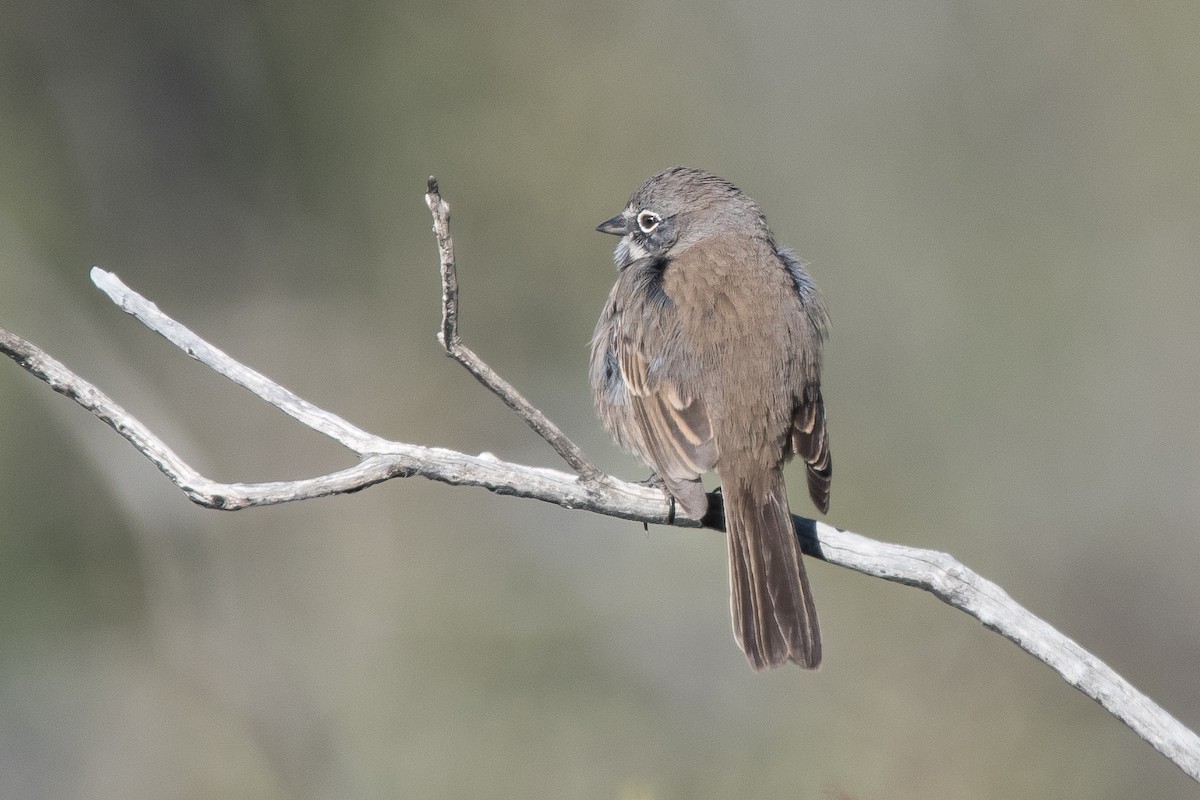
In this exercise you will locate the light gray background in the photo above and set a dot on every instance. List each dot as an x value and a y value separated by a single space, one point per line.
999 200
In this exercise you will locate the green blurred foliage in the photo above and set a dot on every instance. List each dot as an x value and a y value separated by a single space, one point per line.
1000 201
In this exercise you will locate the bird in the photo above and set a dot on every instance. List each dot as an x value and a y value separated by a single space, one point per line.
707 357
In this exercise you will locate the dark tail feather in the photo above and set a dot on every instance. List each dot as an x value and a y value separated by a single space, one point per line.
773 615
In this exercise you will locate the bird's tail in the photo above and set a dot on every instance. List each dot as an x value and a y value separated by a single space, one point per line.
773 615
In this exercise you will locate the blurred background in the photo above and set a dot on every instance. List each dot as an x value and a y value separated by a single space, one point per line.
999 201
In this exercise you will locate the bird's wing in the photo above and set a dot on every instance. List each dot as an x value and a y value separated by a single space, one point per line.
676 434
673 420
810 441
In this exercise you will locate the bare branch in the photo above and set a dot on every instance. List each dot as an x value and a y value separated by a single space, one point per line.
450 340
381 459
958 586
285 400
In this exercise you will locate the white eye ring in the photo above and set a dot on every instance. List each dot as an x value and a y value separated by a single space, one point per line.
648 221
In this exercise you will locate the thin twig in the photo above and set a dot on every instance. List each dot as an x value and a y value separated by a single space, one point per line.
381 459
289 402
451 341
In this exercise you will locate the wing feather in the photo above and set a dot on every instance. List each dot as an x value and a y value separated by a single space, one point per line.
676 434
810 441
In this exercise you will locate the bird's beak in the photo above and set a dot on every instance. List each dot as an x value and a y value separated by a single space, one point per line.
617 226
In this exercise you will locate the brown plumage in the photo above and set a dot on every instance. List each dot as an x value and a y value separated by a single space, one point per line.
708 356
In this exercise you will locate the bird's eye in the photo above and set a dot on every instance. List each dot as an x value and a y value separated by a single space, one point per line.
648 221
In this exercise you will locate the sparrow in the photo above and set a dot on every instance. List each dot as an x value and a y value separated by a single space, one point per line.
707 356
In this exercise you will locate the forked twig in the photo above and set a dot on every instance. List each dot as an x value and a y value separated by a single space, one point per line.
450 340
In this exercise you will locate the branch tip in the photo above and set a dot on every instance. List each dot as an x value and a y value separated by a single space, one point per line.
101 277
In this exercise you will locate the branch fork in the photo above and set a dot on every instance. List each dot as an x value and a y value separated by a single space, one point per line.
450 340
